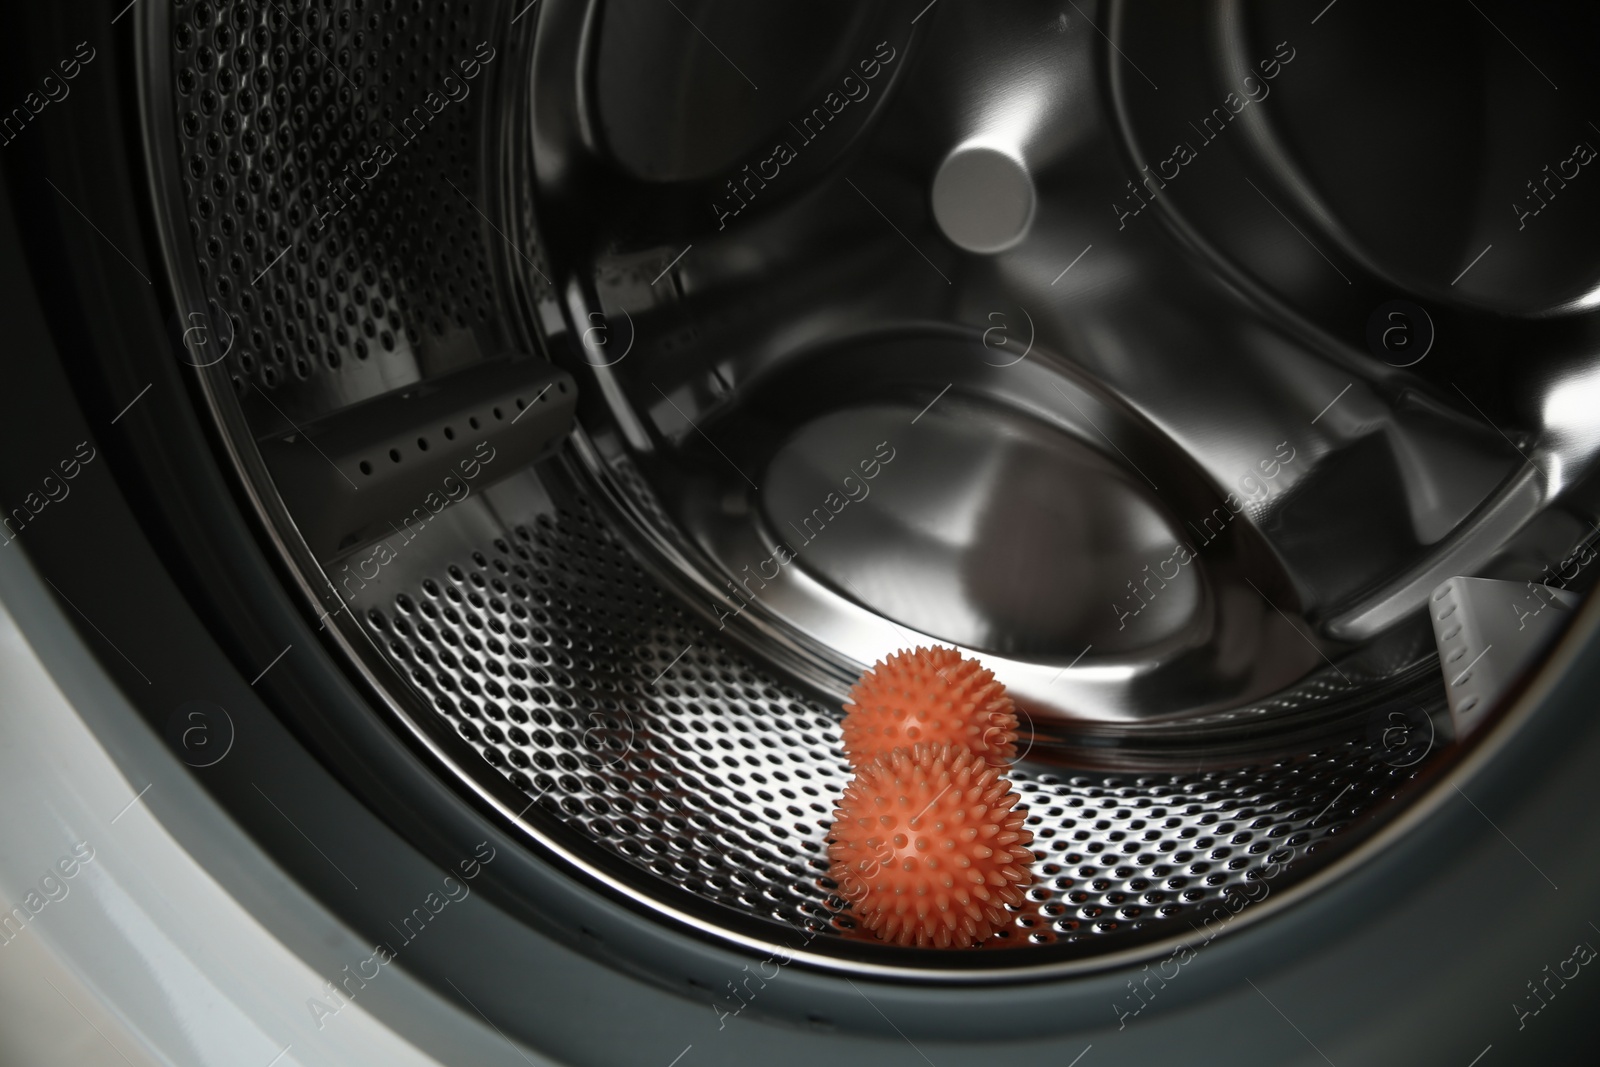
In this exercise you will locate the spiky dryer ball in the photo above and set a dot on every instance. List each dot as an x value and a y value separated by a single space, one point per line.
928 847
932 696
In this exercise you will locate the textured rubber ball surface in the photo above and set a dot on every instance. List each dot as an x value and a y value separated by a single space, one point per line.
929 696
929 849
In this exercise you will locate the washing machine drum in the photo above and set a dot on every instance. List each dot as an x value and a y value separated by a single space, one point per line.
604 386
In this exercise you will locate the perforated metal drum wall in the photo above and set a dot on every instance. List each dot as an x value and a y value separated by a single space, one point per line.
579 679
331 158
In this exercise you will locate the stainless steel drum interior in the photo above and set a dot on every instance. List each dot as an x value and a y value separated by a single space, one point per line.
669 427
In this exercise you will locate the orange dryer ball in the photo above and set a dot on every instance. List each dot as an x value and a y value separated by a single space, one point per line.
932 696
928 847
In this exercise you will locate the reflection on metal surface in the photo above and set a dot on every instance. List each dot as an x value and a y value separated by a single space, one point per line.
983 199
1488 633
1204 386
